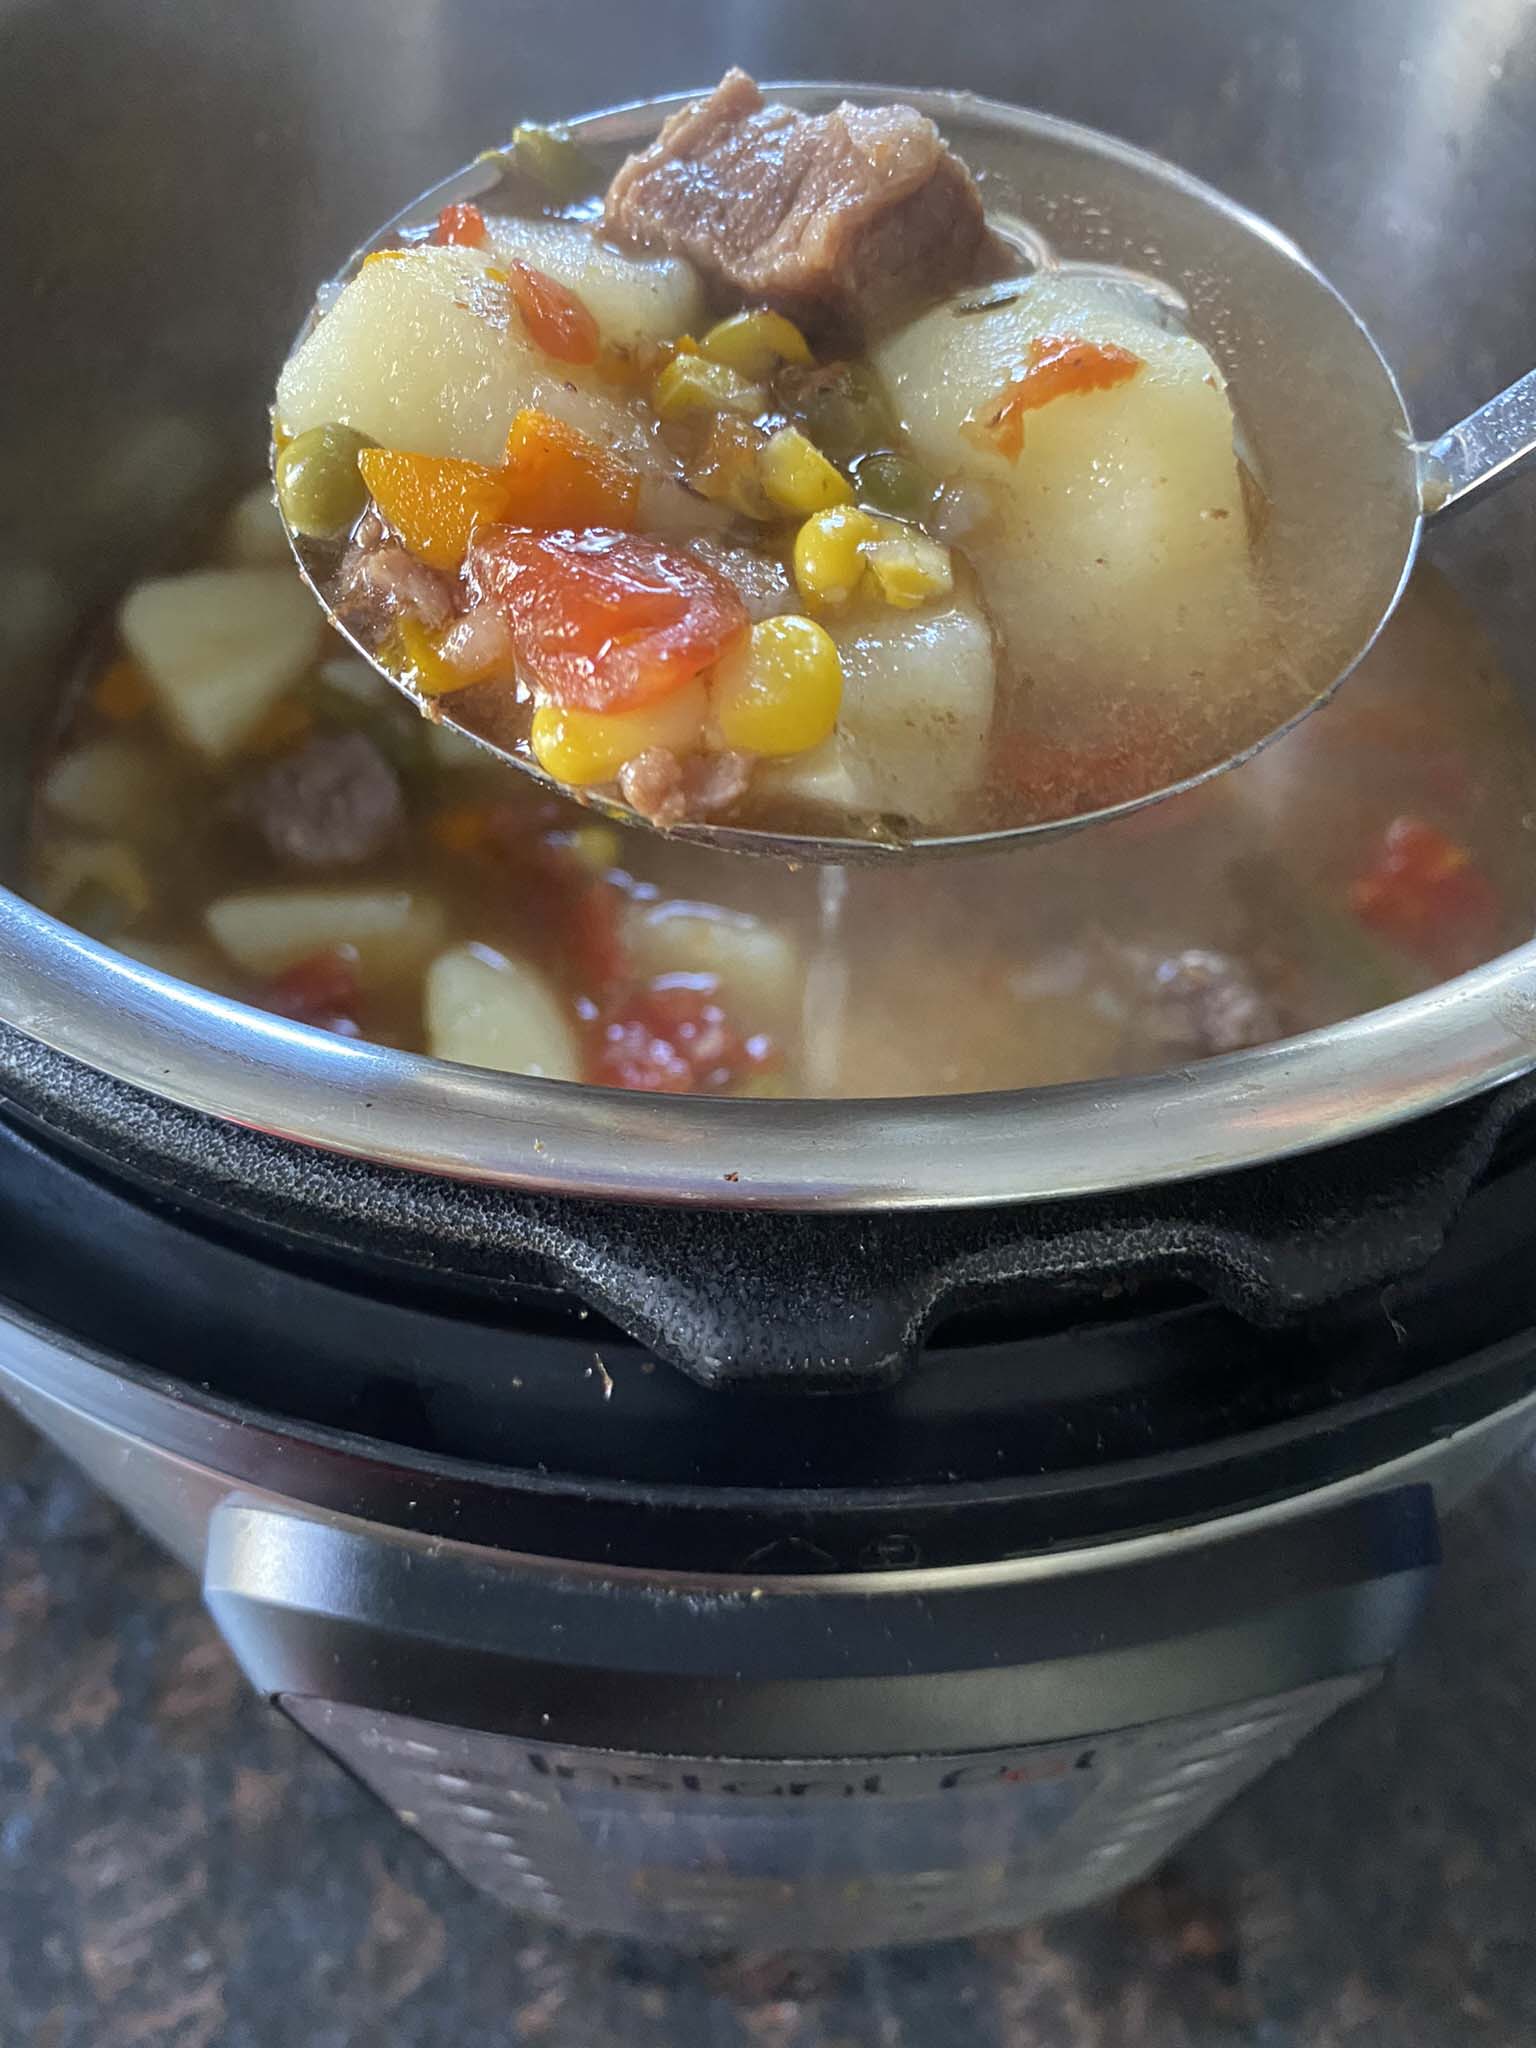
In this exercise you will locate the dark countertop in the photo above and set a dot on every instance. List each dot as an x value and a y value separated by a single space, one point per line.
178 1868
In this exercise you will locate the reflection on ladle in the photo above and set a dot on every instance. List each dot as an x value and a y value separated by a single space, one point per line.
1344 509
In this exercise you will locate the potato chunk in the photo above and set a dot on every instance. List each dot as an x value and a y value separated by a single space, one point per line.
108 784
912 731
254 536
756 966
1120 546
632 298
484 1010
265 931
220 646
423 351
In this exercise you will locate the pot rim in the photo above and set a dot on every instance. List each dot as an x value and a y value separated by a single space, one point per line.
245 1066
211 1054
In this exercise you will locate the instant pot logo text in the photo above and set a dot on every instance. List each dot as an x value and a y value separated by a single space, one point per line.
851 1781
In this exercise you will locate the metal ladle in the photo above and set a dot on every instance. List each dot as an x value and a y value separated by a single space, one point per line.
1312 392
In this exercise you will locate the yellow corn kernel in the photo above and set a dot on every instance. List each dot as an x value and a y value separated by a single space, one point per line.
797 476
839 552
829 553
413 651
908 567
694 384
780 694
585 747
755 344
595 848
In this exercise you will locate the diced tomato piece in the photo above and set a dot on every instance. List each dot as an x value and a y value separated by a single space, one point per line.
672 1040
595 939
461 226
1059 366
556 320
1426 894
322 990
606 621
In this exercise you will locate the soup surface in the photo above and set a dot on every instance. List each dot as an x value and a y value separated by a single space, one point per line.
265 816
779 484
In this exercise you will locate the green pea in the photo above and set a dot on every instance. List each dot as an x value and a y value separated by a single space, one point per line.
896 485
844 410
320 488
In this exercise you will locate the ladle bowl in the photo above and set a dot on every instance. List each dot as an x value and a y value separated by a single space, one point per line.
1322 420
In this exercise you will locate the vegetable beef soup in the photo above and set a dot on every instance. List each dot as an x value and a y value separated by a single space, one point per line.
236 798
777 483
764 469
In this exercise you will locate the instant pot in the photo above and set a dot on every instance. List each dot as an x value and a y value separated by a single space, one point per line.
757 1522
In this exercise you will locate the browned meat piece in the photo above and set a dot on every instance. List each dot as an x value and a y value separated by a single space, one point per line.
333 802
668 791
1200 1003
839 219
379 580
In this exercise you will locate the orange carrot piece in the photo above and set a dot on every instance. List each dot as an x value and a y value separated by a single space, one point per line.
557 476
433 502
121 692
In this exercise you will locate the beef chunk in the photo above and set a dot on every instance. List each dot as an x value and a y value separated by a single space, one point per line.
332 802
667 791
379 580
1199 1003
841 220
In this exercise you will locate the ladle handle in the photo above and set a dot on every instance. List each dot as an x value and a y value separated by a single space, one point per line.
1487 448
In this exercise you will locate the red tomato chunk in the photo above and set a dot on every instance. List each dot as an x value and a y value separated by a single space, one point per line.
672 1038
1427 895
461 226
322 990
606 621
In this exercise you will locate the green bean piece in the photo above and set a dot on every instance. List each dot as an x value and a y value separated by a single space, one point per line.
552 157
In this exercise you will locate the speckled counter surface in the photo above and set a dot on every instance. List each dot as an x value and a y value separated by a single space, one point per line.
179 1869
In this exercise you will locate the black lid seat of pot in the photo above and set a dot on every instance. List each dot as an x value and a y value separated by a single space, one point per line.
1047 1374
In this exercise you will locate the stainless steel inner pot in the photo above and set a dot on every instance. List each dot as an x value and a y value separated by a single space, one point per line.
159 245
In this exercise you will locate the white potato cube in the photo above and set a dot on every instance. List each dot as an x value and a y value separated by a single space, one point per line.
632 298
220 646
912 733
394 932
254 536
484 1010
1122 545
424 351
107 785
758 967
